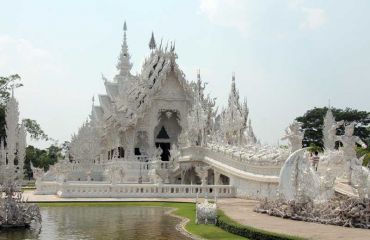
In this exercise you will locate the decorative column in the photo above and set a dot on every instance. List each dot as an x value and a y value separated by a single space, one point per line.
150 132
216 176
130 143
182 177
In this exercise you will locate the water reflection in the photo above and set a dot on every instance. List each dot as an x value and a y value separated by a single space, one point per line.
101 223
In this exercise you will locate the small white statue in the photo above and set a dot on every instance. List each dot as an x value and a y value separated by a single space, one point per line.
174 156
349 145
206 212
202 172
88 175
294 135
349 142
332 135
155 153
154 177
38 173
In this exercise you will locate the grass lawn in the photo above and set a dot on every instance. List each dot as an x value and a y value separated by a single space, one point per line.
186 210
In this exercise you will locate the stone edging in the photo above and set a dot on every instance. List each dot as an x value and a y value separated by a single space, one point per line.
181 226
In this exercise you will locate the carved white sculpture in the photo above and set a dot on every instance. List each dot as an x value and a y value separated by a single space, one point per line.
354 171
12 156
198 116
349 141
155 177
299 182
14 210
202 172
206 212
85 146
233 121
330 130
294 135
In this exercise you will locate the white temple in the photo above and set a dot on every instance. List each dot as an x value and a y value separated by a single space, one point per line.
155 134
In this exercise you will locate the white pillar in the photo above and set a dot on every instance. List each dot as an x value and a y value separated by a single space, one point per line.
216 176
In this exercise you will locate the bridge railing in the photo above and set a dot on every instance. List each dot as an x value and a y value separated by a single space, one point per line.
235 161
143 190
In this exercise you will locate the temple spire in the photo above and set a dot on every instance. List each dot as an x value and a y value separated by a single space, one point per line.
152 44
124 27
198 76
124 65
199 84
233 88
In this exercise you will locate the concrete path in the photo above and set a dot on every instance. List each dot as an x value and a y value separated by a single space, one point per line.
241 210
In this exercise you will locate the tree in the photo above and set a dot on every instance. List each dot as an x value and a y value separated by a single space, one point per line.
313 124
34 129
6 85
41 158
54 153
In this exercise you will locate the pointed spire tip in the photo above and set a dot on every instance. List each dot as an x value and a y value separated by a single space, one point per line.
152 44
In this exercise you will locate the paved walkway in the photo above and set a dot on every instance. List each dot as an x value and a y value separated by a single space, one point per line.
241 210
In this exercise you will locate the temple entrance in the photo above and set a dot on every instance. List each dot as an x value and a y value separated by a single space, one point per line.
166 147
163 142
166 132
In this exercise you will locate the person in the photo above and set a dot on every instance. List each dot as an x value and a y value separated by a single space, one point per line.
315 160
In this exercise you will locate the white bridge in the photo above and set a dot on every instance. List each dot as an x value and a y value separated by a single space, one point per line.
246 178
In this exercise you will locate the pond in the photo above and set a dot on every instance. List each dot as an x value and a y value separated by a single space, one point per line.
128 222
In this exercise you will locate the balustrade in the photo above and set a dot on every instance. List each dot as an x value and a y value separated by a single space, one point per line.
143 190
239 161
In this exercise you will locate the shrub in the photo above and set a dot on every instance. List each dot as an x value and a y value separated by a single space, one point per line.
231 226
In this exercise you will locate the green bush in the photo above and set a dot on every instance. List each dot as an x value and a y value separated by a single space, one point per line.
231 226
361 152
314 148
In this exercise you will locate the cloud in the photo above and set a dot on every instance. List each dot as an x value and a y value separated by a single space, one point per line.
314 18
243 15
226 13
42 75
18 55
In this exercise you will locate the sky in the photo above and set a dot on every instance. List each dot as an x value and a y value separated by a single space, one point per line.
288 56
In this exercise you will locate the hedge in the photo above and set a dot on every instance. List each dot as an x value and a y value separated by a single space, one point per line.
231 226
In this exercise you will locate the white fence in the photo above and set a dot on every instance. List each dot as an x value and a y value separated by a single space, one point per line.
106 190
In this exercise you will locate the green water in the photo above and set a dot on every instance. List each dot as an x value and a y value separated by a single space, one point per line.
149 223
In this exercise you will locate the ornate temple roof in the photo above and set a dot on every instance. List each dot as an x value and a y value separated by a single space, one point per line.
112 90
105 103
97 113
129 96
